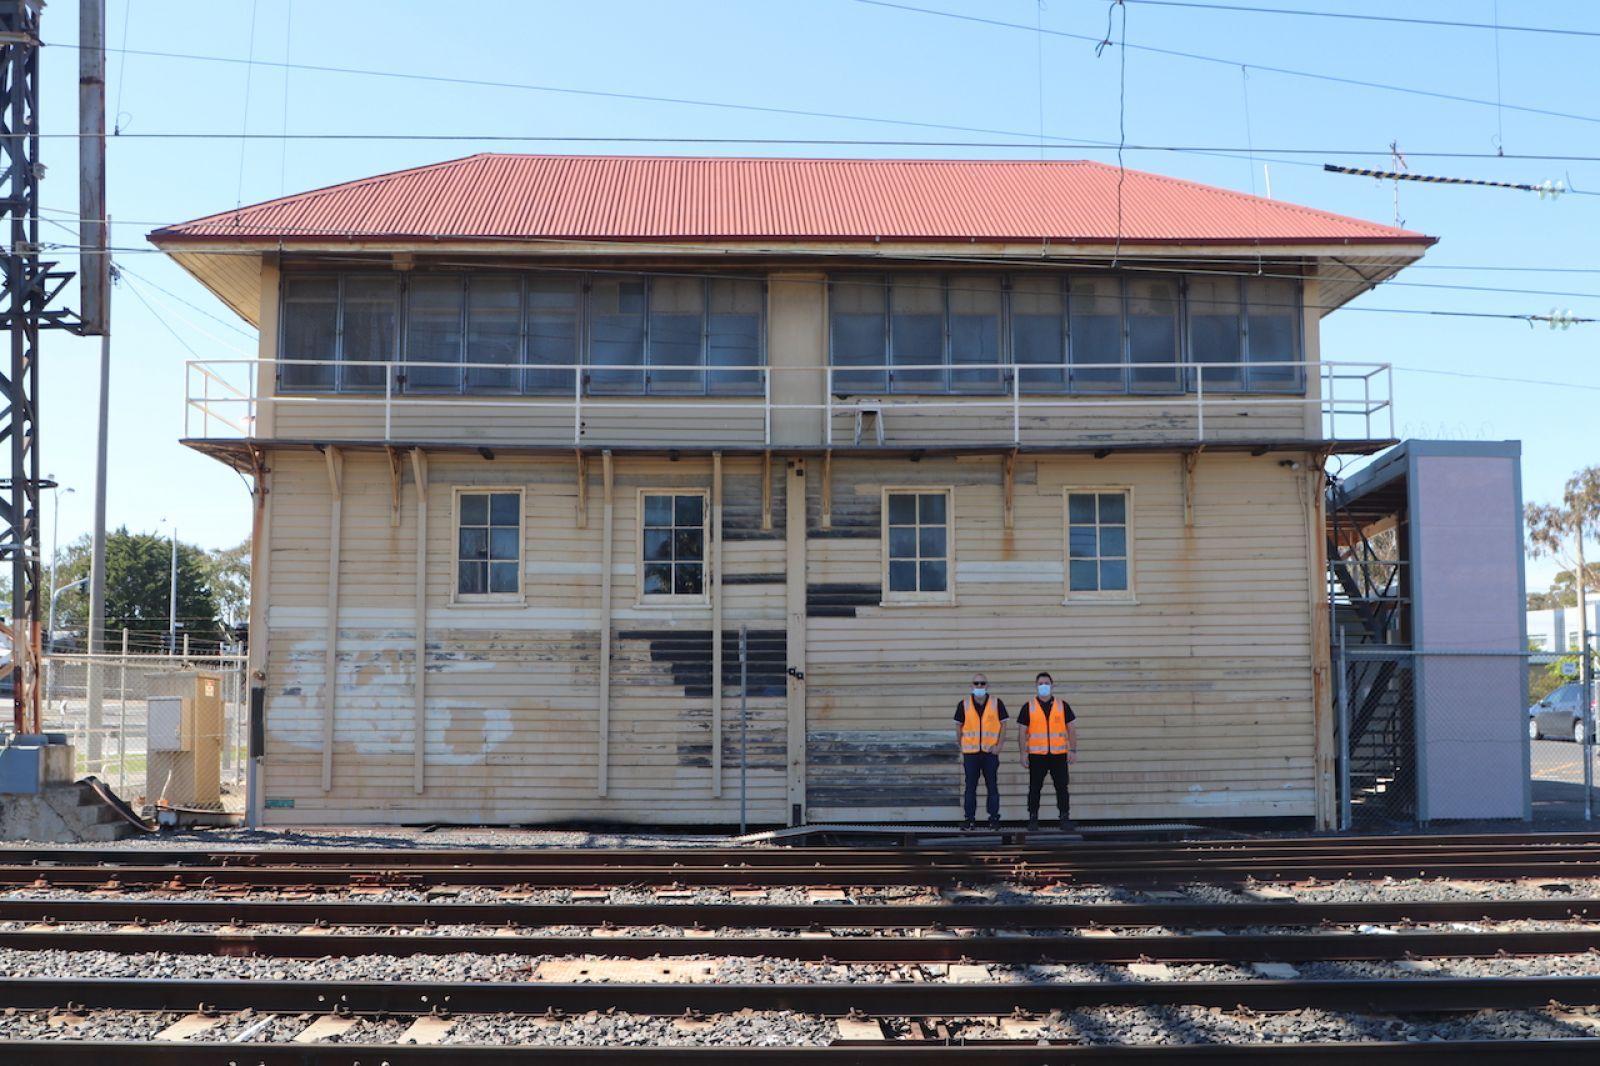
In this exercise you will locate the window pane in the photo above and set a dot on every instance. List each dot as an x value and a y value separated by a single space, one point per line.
1214 331
975 332
688 580
494 332
503 543
371 306
616 317
677 327
689 510
1114 575
902 509
933 576
1084 576
857 322
658 510
310 331
1095 345
1153 333
931 542
502 577
733 335
658 545
1038 332
916 333
1082 542
433 333
931 507
688 544
474 544
658 579
505 509
1113 507
1114 541
902 542
552 333
1273 324
1080 507
474 509
902 576
472 579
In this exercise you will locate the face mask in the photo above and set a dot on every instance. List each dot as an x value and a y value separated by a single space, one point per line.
1044 690
979 691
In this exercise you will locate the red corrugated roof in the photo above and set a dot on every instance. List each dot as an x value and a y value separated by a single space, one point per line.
495 196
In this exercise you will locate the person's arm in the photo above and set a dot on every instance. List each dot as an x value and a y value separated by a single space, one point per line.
959 720
1022 737
1072 744
1000 737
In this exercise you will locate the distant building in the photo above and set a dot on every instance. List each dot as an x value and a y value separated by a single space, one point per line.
536 438
1557 629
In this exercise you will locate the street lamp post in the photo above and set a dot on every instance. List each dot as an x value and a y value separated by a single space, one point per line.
55 541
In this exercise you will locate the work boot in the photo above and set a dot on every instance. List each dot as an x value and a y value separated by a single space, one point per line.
1033 823
994 821
968 826
1066 824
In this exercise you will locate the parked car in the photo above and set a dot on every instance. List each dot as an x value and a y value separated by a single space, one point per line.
1560 714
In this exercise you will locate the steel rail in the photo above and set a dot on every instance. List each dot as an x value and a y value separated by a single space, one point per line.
974 853
1554 1052
757 915
669 999
600 875
1243 948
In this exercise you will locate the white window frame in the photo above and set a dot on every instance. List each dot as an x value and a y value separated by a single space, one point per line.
477 599
672 599
947 598
1117 596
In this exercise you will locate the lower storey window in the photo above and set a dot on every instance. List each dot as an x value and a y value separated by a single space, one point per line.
488 544
917 545
1097 544
674 545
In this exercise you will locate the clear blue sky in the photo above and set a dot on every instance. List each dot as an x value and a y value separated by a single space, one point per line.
879 74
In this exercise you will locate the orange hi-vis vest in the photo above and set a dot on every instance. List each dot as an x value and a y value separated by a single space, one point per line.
979 731
1047 730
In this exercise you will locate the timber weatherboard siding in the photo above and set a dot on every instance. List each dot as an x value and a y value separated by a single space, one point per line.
1193 701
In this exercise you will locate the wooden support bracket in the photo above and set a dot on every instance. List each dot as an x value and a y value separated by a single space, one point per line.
715 588
330 672
1190 458
1010 475
603 755
397 465
419 724
583 491
766 491
827 489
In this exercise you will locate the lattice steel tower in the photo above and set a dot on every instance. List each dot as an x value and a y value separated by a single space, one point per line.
30 286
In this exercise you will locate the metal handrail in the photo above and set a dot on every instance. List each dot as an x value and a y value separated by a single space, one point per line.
1189 387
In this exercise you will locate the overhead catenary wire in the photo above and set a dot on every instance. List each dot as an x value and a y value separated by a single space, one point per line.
1287 71
1357 17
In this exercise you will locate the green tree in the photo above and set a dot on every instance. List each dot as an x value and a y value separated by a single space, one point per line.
228 573
1561 530
138 585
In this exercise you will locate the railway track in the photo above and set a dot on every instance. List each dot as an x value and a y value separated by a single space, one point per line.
1021 965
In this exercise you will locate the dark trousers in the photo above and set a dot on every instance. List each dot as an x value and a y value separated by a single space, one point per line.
986 763
1056 767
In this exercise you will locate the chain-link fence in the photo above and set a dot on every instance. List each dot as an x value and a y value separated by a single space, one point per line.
162 730
1427 735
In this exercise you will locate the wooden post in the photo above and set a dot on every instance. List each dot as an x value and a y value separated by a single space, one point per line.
1009 475
583 491
795 637
603 756
766 491
396 477
330 673
1322 713
715 589
826 503
260 574
419 728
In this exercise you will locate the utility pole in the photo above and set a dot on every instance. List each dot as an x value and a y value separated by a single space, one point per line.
94 272
29 288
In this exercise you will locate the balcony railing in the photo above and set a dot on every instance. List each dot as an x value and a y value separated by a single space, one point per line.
1209 401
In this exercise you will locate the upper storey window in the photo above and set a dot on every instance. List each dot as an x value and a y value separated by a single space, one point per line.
1155 333
522 334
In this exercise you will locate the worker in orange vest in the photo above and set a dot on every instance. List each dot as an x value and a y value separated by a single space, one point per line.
980 730
1047 748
